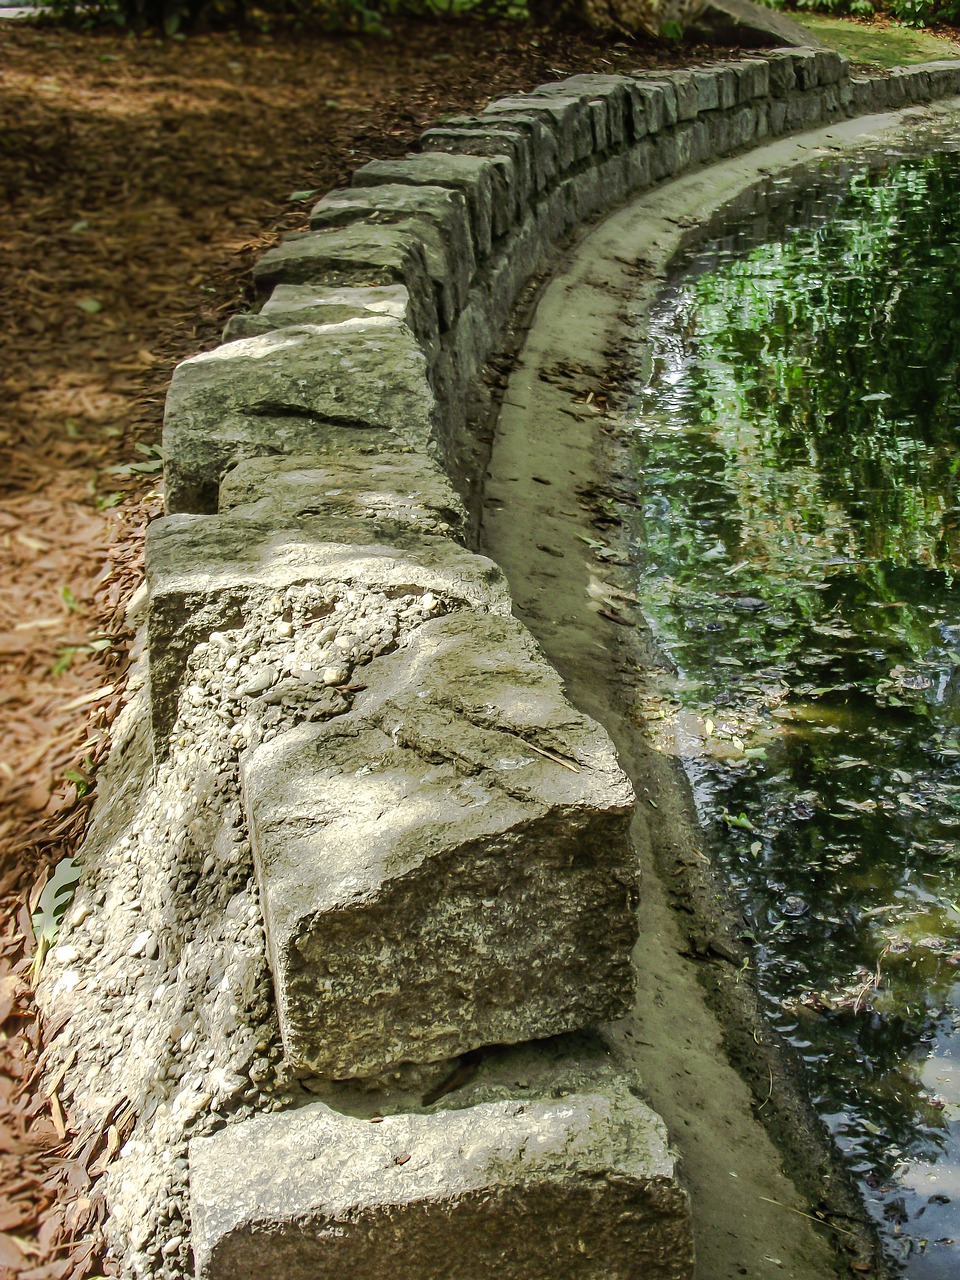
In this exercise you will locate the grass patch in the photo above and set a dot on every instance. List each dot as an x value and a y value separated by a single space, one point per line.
878 44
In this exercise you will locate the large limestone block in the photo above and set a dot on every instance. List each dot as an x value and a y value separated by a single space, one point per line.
684 86
582 1186
568 118
389 489
283 392
541 144
623 105
207 574
439 211
478 178
448 865
293 304
449 139
361 254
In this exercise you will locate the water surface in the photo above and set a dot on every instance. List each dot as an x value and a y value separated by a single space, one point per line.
796 435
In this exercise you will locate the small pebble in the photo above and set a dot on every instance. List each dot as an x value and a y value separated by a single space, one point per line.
142 944
265 678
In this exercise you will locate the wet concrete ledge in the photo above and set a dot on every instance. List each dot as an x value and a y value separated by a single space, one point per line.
339 745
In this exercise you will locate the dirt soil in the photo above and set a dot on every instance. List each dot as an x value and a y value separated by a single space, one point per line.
141 178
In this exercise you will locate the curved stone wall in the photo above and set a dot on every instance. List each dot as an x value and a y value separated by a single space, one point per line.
348 801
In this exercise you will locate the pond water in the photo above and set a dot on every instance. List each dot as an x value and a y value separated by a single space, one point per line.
796 444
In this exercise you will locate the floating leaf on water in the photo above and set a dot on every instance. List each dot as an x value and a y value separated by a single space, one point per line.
740 820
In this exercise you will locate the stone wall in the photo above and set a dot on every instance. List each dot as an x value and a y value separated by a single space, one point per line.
348 802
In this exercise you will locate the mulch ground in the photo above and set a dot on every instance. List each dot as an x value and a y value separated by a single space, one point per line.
140 180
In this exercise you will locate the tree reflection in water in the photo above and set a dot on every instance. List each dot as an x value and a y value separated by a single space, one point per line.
797 453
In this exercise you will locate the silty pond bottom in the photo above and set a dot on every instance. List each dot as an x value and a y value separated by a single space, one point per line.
795 435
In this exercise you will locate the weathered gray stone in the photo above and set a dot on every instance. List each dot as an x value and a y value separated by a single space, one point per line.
613 101
401 490
294 304
448 865
805 68
281 393
944 77
783 78
448 249
542 145
708 95
663 155
509 273
684 137
749 25
687 94
753 79
452 140
582 1185
669 112
658 102
478 178
726 87
207 573
360 254
831 66
568 118
778 117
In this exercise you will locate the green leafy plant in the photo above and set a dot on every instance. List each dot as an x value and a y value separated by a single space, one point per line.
151 463
51 907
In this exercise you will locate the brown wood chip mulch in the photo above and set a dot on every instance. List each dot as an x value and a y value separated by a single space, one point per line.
140 179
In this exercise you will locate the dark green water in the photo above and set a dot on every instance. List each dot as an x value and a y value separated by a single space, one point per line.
797 450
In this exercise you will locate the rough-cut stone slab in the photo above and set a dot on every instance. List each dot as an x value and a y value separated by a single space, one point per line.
449 250
542 145
283 391
359 254
431 880
494 143
623 104
583 1185
478 178
292 304
405 490
685 87
207 573
567 117
753 79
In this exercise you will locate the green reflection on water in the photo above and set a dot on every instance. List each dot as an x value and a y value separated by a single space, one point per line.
798 552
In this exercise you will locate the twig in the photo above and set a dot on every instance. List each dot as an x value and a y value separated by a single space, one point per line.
551 755
819 1221
769 1091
